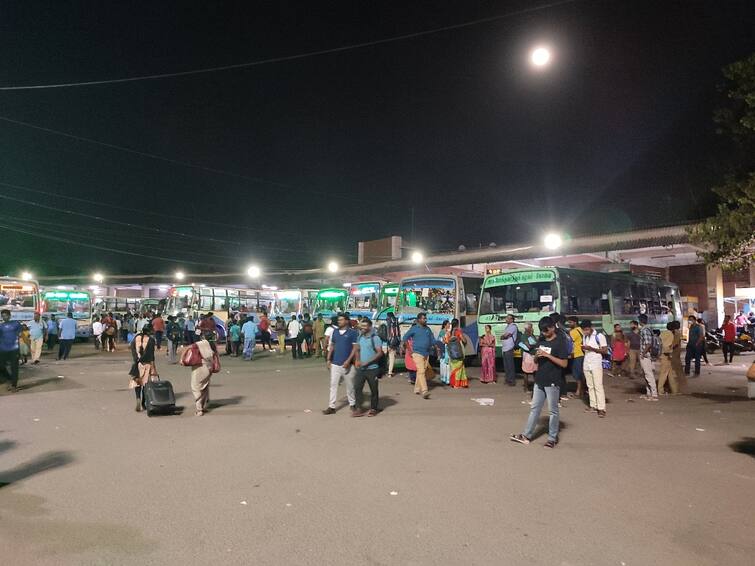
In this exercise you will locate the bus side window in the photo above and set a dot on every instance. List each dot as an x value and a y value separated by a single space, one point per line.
471 303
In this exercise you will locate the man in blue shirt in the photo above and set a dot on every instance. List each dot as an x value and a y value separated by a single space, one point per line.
37 331
340 356
507 349
422 343
67 336
367 353
9 331
249 330
52 332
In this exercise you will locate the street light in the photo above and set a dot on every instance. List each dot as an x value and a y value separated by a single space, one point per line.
417 257
333 267
98 277
552 241
540 56
26 276
253 271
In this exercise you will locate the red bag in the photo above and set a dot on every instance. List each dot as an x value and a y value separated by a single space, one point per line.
191 357
215 363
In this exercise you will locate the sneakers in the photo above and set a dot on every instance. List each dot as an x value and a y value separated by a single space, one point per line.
329 411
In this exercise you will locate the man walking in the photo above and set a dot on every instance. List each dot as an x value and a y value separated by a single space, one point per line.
507 349
294 332
190 330
666 370
340 357
552 353
52 332
368 350
158 326
695 345
594 346
67 336
319 335
423 341
9 332
646 360
249 331
729 330
37 331
578 356
634 348
97 333
173 333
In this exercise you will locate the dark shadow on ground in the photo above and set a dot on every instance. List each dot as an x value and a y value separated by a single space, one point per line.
719 398
744 446
42 463
217 403
6 445
542 428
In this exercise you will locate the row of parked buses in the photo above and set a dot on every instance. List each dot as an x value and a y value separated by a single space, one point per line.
528 294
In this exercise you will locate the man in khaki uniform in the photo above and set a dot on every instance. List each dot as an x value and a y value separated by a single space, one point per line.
666 370
319 335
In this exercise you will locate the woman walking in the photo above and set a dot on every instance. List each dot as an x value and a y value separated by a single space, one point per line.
143 354
487 349
445 367
455 341
619 348
200 375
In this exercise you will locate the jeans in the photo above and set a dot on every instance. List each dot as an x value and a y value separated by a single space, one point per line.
296 347
65 349
577 368
189 336
509 367
337 373
693 352
539 395
51 340
172 347
728 348
159 339
370 376
249 344
10 359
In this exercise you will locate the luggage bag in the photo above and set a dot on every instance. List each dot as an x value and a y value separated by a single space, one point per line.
159 397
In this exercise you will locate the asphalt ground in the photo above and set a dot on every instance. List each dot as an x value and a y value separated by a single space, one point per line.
266 478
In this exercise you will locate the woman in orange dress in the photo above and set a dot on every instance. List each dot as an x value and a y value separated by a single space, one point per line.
455 341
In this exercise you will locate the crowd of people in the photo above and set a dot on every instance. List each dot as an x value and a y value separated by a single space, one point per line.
356 353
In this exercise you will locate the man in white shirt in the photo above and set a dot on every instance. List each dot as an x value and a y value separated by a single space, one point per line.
97 333
594 345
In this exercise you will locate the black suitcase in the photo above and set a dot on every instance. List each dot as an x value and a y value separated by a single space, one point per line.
159 397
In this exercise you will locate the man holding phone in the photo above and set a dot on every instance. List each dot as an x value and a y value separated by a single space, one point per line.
552 353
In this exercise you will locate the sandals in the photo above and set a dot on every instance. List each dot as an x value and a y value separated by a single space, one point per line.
590 410
520 438
550 444
601 414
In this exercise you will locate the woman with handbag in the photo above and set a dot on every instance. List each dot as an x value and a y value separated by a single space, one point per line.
455 342
143 368
204 361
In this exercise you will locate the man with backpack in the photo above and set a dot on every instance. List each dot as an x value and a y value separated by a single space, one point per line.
594 345
648 343
173 333
368 352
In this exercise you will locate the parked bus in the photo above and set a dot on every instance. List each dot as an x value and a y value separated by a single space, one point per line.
386 302
442 297
60 302
330 301
290 302
20 297
603 298
364 298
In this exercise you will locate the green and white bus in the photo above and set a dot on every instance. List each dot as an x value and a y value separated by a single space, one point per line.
603 298
386 303
330 301
60 302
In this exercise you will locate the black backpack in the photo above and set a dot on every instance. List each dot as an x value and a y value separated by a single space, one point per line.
382 332
455 349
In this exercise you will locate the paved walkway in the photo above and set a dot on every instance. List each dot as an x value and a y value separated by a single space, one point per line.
265 478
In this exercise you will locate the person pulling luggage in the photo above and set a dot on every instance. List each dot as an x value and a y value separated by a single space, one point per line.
143 354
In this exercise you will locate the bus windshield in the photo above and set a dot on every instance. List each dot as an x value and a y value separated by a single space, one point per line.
388 297
18 296
433 296
363 297
287 303
519 298
331 300
63 302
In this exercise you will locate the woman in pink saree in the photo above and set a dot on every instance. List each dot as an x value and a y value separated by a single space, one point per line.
487 348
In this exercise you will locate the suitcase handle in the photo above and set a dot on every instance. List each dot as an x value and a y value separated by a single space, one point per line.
155 377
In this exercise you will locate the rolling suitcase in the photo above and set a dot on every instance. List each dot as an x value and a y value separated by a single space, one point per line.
159 397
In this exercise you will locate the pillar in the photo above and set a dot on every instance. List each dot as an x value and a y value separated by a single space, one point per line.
714 281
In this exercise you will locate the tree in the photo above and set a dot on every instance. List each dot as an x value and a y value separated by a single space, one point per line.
729 235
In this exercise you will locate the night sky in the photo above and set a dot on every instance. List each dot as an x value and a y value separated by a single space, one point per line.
314 154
